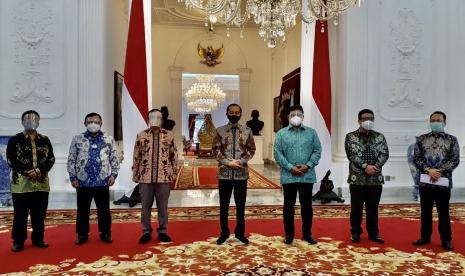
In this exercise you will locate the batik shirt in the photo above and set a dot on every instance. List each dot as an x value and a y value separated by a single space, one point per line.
23 155
437 151
233 142
365 149
155 157
92 159
293 147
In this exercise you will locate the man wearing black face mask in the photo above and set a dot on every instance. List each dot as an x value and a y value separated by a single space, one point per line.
30 155
233 147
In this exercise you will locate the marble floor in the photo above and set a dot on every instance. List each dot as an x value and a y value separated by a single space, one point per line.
210 197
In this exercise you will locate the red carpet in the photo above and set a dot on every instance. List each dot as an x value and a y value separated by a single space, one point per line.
194 251
204 177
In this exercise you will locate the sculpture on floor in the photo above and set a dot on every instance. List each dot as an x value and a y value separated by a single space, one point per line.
255 124
326 194
167 124
206 134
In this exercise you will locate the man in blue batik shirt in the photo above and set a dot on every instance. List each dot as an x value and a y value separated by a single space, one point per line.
437 154
93 167
297 150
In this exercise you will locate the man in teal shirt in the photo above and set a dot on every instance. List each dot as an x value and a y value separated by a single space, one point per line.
297 150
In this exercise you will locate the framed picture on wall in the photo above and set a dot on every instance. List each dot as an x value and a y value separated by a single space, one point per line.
118 80
276 120
5 174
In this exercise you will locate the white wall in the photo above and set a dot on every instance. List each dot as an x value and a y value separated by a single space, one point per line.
175 52
402 59
58 57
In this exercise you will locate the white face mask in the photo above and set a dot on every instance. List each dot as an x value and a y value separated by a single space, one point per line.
155 119
368 125
93 127
296 121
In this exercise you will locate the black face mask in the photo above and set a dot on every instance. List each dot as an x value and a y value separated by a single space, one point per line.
234 119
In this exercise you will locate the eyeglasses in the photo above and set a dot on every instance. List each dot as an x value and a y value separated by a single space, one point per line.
93 121
368 118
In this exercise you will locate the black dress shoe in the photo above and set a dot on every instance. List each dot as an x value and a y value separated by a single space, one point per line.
146 237
17 247
40 244
242 239
421 241
355 238
81 239
163 237
377 239
106 238
132 203
222 239
447 245
288 239
308 238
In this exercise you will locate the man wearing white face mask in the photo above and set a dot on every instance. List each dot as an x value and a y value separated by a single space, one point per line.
367 152
297 150
30 155
154 168
93 167
436 156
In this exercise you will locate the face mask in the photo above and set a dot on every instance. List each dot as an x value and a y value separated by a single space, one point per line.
31 121
368 125
93 127
155 122
233 119
155 119
296 121
437 126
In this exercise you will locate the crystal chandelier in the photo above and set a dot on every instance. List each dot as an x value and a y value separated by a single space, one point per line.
205 95
273 17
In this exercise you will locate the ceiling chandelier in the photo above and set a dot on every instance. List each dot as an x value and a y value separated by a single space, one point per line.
205 95
273 17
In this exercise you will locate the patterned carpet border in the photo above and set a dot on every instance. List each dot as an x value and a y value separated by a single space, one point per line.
409 211
188 179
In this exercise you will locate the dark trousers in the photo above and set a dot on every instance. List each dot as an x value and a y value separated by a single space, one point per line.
441 196
101 195
226 188
36 203
368 195
306 210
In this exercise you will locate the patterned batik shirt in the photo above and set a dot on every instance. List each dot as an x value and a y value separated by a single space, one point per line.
437 151
297 146
25 154
92 159
233 143
155 157
364 149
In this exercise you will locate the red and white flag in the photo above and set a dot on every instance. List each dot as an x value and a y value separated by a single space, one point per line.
315 95
135 100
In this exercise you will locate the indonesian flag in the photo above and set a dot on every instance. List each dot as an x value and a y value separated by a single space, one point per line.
137 83
315 96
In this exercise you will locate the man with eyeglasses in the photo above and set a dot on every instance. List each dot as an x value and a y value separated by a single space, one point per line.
93 167
436 156
297 150
367 151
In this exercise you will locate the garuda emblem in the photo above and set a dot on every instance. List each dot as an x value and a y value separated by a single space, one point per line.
209 55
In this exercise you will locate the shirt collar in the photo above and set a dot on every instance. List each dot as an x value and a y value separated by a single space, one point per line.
361 131
230 126
87 134
442 133
291 128
27 135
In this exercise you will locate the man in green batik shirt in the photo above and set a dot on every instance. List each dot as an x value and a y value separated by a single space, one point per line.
30 156
367 152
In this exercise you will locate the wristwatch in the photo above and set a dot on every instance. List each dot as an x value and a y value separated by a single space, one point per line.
364 165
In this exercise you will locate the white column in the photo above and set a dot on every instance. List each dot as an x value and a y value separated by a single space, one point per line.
244 85
176 99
